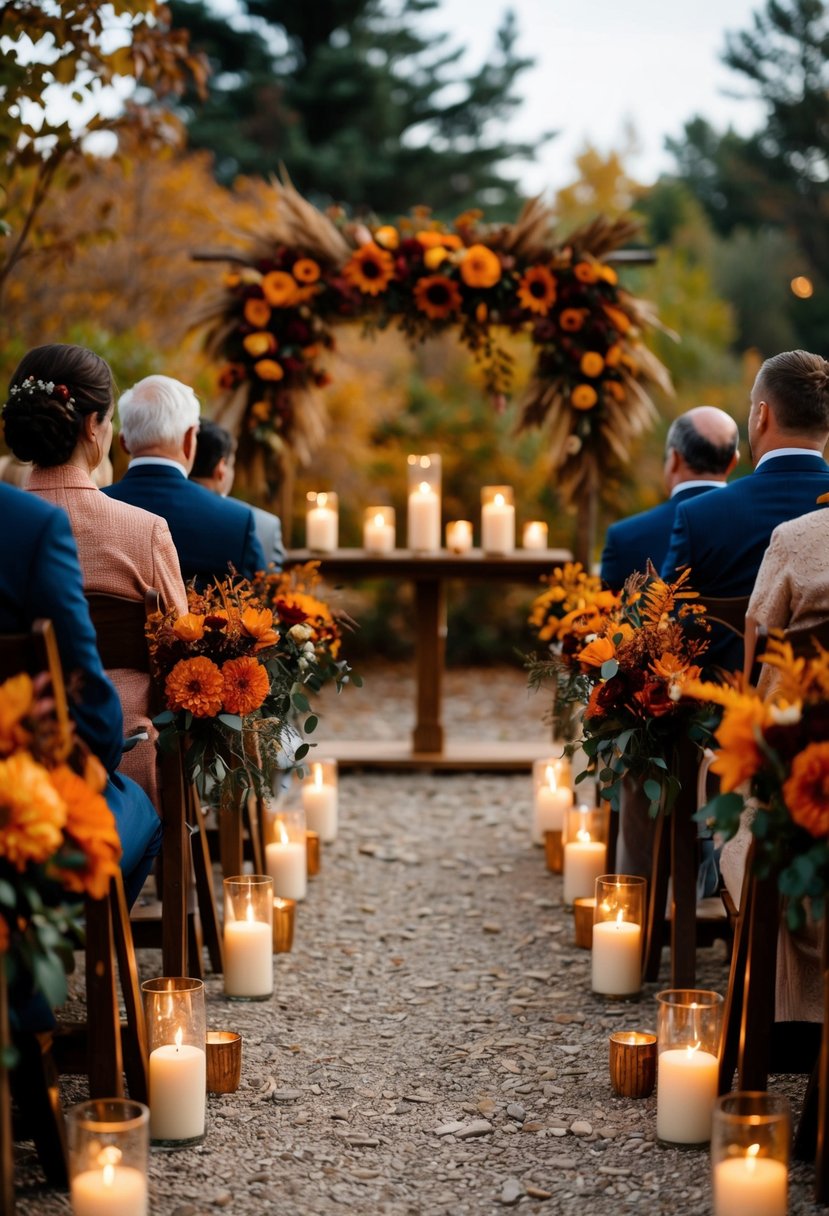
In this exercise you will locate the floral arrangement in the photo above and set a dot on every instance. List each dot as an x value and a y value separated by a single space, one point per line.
777 746
58 839
273 321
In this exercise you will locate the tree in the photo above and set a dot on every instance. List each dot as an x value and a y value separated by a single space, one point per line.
358 103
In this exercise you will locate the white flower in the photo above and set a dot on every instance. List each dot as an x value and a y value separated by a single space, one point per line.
572 445
303 664
299 633
786 715
590 637
308 648
675 691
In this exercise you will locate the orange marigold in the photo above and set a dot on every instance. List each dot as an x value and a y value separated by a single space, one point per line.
537 290
572 319
592 363
195 685
280 289
189 627
806 792
32 812
586 272
259 344
91 824
370 269
597 652
246 685
257 312
433 258
306 270
16 697
480 267
437 296
583 397
269 369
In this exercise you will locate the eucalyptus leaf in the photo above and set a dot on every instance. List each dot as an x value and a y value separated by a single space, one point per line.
609 669
233 721
310 724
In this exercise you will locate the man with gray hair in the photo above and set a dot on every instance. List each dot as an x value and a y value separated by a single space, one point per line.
700 452
159 423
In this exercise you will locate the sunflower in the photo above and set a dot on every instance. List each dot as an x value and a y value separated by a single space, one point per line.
370 269
90 823
269 369
280 289
806 792
195 685
585 272
246 685
537 290
257 312
16 699
583 397
480 267
259 344
437 296
189 627
32 812
592 363
306 270
572 319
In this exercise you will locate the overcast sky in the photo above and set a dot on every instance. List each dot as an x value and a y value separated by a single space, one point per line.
601 63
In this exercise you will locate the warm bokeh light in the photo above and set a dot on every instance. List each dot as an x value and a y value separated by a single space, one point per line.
802 287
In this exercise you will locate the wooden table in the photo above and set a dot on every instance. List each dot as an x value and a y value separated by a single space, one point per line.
430 573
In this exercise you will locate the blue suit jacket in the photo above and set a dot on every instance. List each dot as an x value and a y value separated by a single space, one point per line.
724 536
208 531
630 542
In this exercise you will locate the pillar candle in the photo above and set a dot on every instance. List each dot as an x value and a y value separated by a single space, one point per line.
498 526
378 536
535 534
750 1186
248 958
114 1190
321 528
459 536
286 861
178 1084
424 519
616 962
319 800
686 1089
584 862
551 803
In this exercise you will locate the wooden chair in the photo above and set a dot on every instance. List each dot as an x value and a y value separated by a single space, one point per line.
120 629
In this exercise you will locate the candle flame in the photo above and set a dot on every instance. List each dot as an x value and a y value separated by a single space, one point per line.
317 775
282 832
751 1157
249 911
424 487
179 1037
551 777
379 520
499 500
620 917
322 499
109 1156
109 1175
583 835
692 1048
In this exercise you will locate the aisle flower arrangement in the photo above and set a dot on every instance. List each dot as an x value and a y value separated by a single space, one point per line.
777 747
58 839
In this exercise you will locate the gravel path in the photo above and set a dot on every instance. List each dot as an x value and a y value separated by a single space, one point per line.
433 1046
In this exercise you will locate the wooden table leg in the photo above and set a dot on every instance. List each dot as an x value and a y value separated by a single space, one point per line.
430 654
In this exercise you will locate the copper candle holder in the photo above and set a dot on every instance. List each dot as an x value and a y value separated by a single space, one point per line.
554 851
633 1063
224 1061
283 925
584 910
312 851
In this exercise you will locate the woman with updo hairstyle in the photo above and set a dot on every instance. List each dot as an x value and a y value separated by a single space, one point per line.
58 415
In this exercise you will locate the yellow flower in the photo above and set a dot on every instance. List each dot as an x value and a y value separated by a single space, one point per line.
480 267
435 240
537 290
370 269
259 344
32 812
608 274
437 296
268 369
195 685
583 397
433 258
280 289
387 237
806 793
16 699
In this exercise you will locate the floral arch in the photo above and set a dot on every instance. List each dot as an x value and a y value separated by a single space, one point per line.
274 318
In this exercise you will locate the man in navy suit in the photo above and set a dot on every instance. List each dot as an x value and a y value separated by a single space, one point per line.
700 452
159 423
40 576
724 536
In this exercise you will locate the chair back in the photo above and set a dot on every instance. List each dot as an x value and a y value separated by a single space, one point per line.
119 627
729 611
34 652
803 640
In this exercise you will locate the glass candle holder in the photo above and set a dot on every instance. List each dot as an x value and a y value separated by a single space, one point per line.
322 521
554 851
459 535
284 915
423 510
248 937
750 1138
108 1141
584 910
224 1061
633 1063
378 529
497 519
320 800
312 853
174 1011
585 851
534 534
285 854
552 796
689 1030
616 963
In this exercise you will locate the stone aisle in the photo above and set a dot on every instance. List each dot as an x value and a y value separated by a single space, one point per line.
433 1046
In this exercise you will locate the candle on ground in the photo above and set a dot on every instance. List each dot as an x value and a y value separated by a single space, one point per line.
113 1190
286 862
319 799
686 1090
178 1080
498 526
750 1185
321 526
616 963
378 535
248 957
424 519
551 803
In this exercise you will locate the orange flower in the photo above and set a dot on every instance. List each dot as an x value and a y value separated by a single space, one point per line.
437 296
807 790
620 320
387 237
592 363
258 623
370 269
246 685
435 240
231 279
669 667
481 313
16 698
585 272
195 685
583 397
608 274
280 289
614 355
189 627
738 755
257 312
260 411
615 390
231 376
433 258
537 290
268 369
259 344
480 267
572 319
597 652
306 270
32 812
91 824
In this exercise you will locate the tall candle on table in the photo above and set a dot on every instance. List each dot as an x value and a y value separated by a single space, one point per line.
178 1080
286 861
616 962
424 519
248 956
750 1185
498 525
584 862
322 523
112 1190
686 1089
551 803
319 798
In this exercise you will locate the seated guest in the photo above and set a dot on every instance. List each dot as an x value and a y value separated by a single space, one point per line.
40 577
700 452
14 472
214 467
59 416
159 423
723 536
